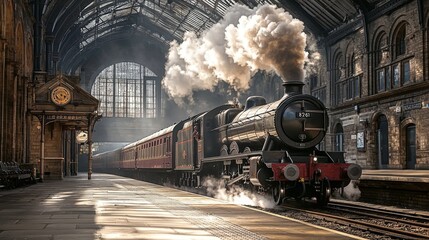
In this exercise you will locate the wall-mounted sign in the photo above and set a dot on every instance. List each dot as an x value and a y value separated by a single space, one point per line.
360 140
411 106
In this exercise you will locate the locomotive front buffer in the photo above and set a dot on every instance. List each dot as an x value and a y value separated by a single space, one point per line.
311 175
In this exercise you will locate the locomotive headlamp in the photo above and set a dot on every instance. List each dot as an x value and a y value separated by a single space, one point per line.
291 172
314 159
354 171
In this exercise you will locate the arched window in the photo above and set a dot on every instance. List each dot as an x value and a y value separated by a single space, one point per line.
392 70
381 49
338 75
383 80
351 67
400 45
352 83
401 69
316 87
339 138
127 90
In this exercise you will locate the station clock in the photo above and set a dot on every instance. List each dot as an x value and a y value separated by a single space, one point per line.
60 96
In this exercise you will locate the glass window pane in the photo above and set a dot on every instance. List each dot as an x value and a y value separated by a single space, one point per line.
356 87
380 80
120 89
406 71
388 79
396 76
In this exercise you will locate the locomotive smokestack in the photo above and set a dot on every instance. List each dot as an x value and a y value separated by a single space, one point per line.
293 87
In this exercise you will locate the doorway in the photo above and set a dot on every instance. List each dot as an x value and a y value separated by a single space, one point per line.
411 146
383 142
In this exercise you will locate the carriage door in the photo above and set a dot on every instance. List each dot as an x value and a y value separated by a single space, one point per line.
411 146
383 142
197 143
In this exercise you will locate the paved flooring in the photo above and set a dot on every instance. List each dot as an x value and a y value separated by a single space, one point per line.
113 207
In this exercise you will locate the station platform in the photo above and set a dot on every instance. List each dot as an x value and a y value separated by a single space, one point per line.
405 175
402 188
114 207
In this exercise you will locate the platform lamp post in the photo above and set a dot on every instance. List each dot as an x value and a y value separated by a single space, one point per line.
92 118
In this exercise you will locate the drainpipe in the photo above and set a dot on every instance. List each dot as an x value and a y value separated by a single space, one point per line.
37 34
25 123
3 101
14 116
42 147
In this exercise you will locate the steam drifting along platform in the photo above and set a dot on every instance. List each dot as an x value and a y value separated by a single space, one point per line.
114 207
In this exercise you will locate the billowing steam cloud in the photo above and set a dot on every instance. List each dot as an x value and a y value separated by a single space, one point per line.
245 41
236 195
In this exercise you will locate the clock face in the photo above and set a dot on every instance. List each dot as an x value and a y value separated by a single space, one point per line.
60 95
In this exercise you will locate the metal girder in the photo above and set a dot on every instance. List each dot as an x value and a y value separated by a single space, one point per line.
363 5
77 24
74 59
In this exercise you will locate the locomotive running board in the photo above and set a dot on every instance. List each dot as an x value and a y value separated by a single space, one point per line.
233 181
231 157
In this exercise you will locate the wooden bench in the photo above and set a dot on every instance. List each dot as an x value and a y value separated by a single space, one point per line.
11 175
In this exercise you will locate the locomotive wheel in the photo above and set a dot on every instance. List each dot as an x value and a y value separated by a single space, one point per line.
325 193
279 193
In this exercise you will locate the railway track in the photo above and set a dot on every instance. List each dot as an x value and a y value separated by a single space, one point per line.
373 223
370 222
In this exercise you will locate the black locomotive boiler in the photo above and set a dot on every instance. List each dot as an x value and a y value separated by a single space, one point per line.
269 147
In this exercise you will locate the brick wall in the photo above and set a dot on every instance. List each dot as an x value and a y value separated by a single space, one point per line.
372 105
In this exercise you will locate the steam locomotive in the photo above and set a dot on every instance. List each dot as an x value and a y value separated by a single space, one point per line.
268 147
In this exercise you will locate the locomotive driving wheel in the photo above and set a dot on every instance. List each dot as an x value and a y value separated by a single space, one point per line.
325 193
279 193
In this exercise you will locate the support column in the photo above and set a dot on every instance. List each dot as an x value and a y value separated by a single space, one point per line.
89 153
92 118
38 29
90 122
42 148
2 97
68 144
49 54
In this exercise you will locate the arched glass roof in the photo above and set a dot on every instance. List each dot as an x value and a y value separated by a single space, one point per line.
75 25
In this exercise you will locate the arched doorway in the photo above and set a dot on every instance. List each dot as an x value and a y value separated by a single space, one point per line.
383 142
410 139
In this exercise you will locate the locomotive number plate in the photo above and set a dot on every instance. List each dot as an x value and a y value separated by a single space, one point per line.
303 115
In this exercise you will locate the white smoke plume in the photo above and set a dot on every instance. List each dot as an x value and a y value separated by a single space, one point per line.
236 194
233 50
351 192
